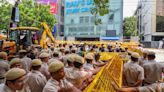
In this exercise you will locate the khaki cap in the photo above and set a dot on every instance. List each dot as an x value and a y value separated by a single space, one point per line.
89 56
74 49
44 51
22 51
151 53
135 55
3 54
79 59
36 62
14 73
55 66
123 49
55 52
15 61
71 57
52 60
44 55
145 52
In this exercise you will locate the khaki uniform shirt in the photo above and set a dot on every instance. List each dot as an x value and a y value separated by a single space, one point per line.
157 87
44 70
4 88
78 76
88 67
54 86
26 62
153 71
132 73
36 81
68 72
4 67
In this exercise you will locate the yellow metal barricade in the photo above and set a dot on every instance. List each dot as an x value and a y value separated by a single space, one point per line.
106 56
109 73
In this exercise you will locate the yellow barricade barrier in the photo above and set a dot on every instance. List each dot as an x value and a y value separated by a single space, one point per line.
106 56
110 73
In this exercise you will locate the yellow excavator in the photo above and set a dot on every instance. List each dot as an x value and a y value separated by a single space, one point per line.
22 37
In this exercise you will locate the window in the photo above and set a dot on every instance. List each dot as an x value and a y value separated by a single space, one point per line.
87 19
111 17
72 21
81 20
92 19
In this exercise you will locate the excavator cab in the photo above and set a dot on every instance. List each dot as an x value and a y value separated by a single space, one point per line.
24 36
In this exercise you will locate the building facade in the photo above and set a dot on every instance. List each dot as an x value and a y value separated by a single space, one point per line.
79 23
150 20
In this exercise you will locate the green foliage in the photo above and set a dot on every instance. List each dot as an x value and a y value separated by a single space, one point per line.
31 14
5 9
130 26
100 8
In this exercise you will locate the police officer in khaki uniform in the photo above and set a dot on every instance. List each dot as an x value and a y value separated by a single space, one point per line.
58 83
69 66
55 55
36 80
4 66
44 68
133 74
80 78
152 70
143 59
16 63
64 58
15 81
89 62
26 62
62 50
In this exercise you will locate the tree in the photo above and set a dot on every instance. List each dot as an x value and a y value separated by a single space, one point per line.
30 14
130 26
5 9
100 8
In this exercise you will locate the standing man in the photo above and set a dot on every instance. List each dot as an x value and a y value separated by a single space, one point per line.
4 66
36 80
152 69
26 62
161 44
133 74
44 68
58 83
16 63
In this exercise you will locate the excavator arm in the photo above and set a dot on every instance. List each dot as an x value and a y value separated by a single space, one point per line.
46 32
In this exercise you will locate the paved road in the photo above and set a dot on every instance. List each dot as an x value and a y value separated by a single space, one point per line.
159 54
